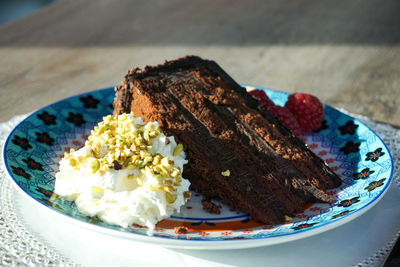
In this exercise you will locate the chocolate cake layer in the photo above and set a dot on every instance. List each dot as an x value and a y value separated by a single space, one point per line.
273 173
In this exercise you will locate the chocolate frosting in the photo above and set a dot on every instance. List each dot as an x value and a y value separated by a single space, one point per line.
273 173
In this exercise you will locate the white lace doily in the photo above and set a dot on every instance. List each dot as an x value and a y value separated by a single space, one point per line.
19 246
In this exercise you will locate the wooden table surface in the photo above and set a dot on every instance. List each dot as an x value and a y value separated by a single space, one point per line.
345 52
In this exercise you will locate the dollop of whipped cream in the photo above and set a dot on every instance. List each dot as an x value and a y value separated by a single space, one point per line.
127 173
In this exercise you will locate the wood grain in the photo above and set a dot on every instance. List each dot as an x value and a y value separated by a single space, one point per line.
345 52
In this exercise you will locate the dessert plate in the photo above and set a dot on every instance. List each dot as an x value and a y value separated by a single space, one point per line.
35 146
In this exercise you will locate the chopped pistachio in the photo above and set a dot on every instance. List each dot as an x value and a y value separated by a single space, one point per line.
169 188
110 158
143 147
144 154
131 166
133 148
155 187
177 150
95 165
147 160
287 218
139 141
175 172
72 162
167 163
167 182
134 159
154 133
122 117
162 170
226 173
156 160
135 132
107 118
53 196
170 197
187 195
146 135
89 143
96 190
141 164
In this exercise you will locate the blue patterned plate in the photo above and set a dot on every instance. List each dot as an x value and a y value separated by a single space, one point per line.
33 149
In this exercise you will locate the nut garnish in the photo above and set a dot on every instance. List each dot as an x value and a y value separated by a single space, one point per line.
72 162
178 149
119 143
95 165
175 172
187 194
170 197
288 218
226 173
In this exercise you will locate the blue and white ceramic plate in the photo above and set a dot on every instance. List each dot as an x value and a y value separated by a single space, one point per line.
34 148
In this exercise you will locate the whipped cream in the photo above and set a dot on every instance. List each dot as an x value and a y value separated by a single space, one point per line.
127 173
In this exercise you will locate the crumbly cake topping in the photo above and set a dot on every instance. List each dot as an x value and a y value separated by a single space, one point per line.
120 143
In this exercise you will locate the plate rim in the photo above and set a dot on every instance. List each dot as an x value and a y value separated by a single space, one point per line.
200 244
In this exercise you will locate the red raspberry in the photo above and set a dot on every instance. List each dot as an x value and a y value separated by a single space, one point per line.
286 118
307 109
262 97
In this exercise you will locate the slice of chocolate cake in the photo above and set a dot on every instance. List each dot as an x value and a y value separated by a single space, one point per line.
237 153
